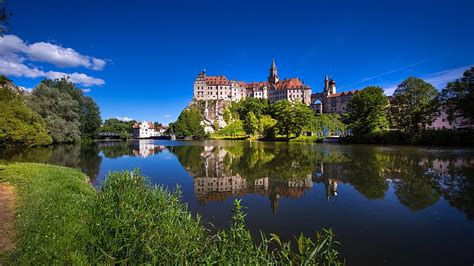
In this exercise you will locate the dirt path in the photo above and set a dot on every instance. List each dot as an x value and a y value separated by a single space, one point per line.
7 197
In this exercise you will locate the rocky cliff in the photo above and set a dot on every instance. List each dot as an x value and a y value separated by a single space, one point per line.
212 114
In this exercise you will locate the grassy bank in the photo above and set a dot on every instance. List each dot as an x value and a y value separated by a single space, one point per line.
51 206
60 219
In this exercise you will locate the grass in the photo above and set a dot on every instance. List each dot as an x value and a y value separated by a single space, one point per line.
51 205
61 220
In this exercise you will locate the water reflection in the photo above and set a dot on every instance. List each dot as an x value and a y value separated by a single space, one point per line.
419 177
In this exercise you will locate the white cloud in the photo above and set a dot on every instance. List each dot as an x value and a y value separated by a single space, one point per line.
16 57
18 69
75 77
86 90
440 79
12 46
437 79
124 118
167 116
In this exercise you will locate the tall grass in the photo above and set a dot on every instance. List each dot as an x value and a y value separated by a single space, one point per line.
134 222
61 220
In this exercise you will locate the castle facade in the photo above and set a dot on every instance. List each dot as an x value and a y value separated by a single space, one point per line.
329 101
220 88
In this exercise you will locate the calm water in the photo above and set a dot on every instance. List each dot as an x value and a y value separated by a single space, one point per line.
388 205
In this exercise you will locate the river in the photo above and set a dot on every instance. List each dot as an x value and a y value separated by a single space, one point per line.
388 205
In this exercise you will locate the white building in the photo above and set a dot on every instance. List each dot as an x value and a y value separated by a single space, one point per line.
143 130
220 88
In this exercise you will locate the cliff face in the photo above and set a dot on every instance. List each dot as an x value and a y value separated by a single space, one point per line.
212 114
5 83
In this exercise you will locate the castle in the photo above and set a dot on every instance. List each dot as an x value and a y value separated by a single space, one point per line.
274 89
329 101
292 89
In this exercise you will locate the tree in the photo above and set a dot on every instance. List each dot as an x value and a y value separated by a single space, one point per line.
367 111
4 16
414 104
251 124
60 110
124 128
458 96
266 126
68 113
19 125
90 119
257 106
188 124
233 129
291 117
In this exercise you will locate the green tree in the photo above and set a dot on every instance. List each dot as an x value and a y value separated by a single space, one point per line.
266 126
4 17
257 106
414 104
68 113
251 124
90 119
189 124
458 96
233 129
19 125
59 109
292 117
367 111
124 128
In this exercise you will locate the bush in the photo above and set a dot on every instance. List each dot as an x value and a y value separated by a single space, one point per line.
19 124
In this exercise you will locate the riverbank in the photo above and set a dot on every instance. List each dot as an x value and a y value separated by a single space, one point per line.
60 218
447 137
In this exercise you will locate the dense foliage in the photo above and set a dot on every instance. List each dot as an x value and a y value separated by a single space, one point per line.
414 105
188 124
124 128
367 111
68 113
458 96
326 124
19 125
291 117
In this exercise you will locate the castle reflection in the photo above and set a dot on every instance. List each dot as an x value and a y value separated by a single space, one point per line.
285 172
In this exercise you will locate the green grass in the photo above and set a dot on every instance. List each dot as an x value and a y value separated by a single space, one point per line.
51 205
227 137
61 220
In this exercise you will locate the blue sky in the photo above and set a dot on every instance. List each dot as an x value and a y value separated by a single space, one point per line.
138 59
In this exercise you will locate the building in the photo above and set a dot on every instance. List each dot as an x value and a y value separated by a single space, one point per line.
143 130
442 122
220 88
329 101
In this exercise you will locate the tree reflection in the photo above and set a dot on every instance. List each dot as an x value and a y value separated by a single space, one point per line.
419 179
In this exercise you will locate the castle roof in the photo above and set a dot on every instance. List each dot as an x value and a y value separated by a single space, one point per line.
291 83
352 92
216 80
260 84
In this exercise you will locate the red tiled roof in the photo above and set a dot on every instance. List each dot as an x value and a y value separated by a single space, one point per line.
352 92
292 83
260 84
217 80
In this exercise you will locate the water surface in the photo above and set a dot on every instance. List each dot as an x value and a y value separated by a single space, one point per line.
389 205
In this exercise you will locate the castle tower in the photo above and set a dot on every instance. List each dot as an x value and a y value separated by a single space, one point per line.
329 86
273 77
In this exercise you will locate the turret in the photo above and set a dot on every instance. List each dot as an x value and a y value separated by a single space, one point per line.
273 77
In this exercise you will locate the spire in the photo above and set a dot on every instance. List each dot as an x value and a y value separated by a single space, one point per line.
326 77
273 63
